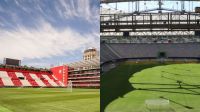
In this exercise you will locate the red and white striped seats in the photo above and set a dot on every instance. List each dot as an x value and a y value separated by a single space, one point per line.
29 79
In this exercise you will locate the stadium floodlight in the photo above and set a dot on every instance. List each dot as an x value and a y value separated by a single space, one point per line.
70 86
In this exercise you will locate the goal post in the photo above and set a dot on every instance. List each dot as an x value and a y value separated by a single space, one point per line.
20 86
70 86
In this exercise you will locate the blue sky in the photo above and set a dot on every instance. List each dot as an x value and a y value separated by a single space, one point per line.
48 32
189 5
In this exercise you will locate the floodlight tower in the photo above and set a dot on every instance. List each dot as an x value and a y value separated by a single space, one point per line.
137 6
183 6
160 3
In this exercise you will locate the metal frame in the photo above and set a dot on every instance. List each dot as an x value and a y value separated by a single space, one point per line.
115 1
144 22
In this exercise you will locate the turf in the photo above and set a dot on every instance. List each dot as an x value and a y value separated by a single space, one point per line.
144 80
115 84
49 100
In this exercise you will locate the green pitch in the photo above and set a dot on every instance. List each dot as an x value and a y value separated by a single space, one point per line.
127 87
49 100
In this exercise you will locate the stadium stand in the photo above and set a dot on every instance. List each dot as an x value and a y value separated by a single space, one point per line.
149 33
85 73
107 53
151 39
152 50
81 74
18 76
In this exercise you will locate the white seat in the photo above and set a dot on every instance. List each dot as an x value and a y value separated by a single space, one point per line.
6 79
37 79
24 81
49 80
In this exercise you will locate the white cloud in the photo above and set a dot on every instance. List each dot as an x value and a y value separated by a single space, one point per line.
27 33
46 41
39 64
80 8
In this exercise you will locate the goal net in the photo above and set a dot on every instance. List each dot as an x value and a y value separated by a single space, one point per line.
158 105
69 86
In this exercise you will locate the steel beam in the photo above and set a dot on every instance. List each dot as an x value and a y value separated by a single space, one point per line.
114 1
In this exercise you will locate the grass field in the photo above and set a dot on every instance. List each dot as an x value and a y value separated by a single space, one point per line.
127 87
49 100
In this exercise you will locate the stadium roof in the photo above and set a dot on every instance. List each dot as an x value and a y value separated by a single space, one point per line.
85 63
114 1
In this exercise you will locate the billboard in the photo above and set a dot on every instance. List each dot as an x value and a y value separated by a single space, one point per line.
9 61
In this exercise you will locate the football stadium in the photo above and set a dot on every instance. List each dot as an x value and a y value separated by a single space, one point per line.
63 88
150 56
49 56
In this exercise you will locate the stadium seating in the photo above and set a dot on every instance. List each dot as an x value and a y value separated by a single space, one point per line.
53 80
30 79
108 52
24 82
44 81
151 39
86 73
148 50
14 78
17 78
85 78
1 83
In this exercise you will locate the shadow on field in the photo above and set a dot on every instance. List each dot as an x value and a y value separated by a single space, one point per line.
115 83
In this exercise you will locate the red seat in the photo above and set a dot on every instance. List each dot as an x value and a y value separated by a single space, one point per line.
16 81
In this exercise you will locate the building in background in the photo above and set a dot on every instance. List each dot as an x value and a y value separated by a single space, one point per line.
90 54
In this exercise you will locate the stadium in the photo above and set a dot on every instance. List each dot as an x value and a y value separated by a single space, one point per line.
150 56
49 56
63 88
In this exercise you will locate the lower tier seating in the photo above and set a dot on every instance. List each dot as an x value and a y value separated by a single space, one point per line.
27 79
113 51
